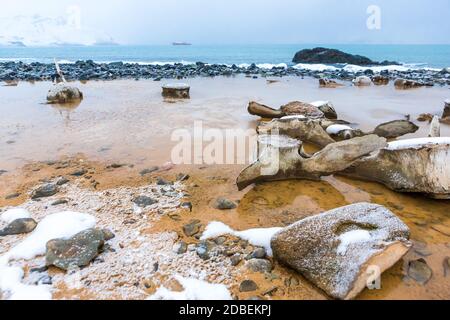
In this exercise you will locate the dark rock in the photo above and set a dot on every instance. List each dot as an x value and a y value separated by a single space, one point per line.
259 265
12 196
3 172
19 226
77 251
108 234
39 269
204 248
192 228
144 201
420 271
62 181
60 202
236 259
259 253
163 182
224 204
333 56
79 172
149 170
248 286
182 177
446 265
44 191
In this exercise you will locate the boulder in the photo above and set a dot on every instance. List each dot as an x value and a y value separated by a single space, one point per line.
224 204
19 226
333 56
64 93
77 251
395 129
176 91
338 250
362 81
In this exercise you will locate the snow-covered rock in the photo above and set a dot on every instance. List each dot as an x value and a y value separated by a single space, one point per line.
337 249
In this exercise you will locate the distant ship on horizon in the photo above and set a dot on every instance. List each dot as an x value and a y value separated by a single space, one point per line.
181 44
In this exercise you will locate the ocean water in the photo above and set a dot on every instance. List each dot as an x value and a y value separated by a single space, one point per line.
427 56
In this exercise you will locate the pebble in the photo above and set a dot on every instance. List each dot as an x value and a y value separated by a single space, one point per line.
79 172
60 202
46 190
144 201
248 286
19 226
192 228
236 259
147 171
12 196
420 271
224 204
180 247
259 265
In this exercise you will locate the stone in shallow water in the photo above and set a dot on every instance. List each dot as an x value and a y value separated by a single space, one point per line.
420 271
19 226
176 90
63 93
337 249
77 251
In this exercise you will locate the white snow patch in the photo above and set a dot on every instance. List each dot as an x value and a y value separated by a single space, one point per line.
258 237
417 143
337 128
315 67
319 103
295 117
14 214
354 236
58 225
193 290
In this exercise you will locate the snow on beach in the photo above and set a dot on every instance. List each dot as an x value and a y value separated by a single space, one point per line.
417 143
134 255
193 289
260 237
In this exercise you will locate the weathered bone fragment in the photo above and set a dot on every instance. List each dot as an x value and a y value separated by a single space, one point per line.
435 129
416 165
344 250
290 109
280 159
297 127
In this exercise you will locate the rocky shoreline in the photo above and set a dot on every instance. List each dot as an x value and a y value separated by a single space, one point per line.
89 70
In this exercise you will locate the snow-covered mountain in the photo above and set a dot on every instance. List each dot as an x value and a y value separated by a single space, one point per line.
45 31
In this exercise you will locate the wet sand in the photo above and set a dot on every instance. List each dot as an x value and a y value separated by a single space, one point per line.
128 122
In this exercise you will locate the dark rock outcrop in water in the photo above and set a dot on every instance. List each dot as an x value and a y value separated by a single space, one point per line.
333 56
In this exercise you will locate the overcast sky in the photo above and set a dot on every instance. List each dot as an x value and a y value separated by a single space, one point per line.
251 21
